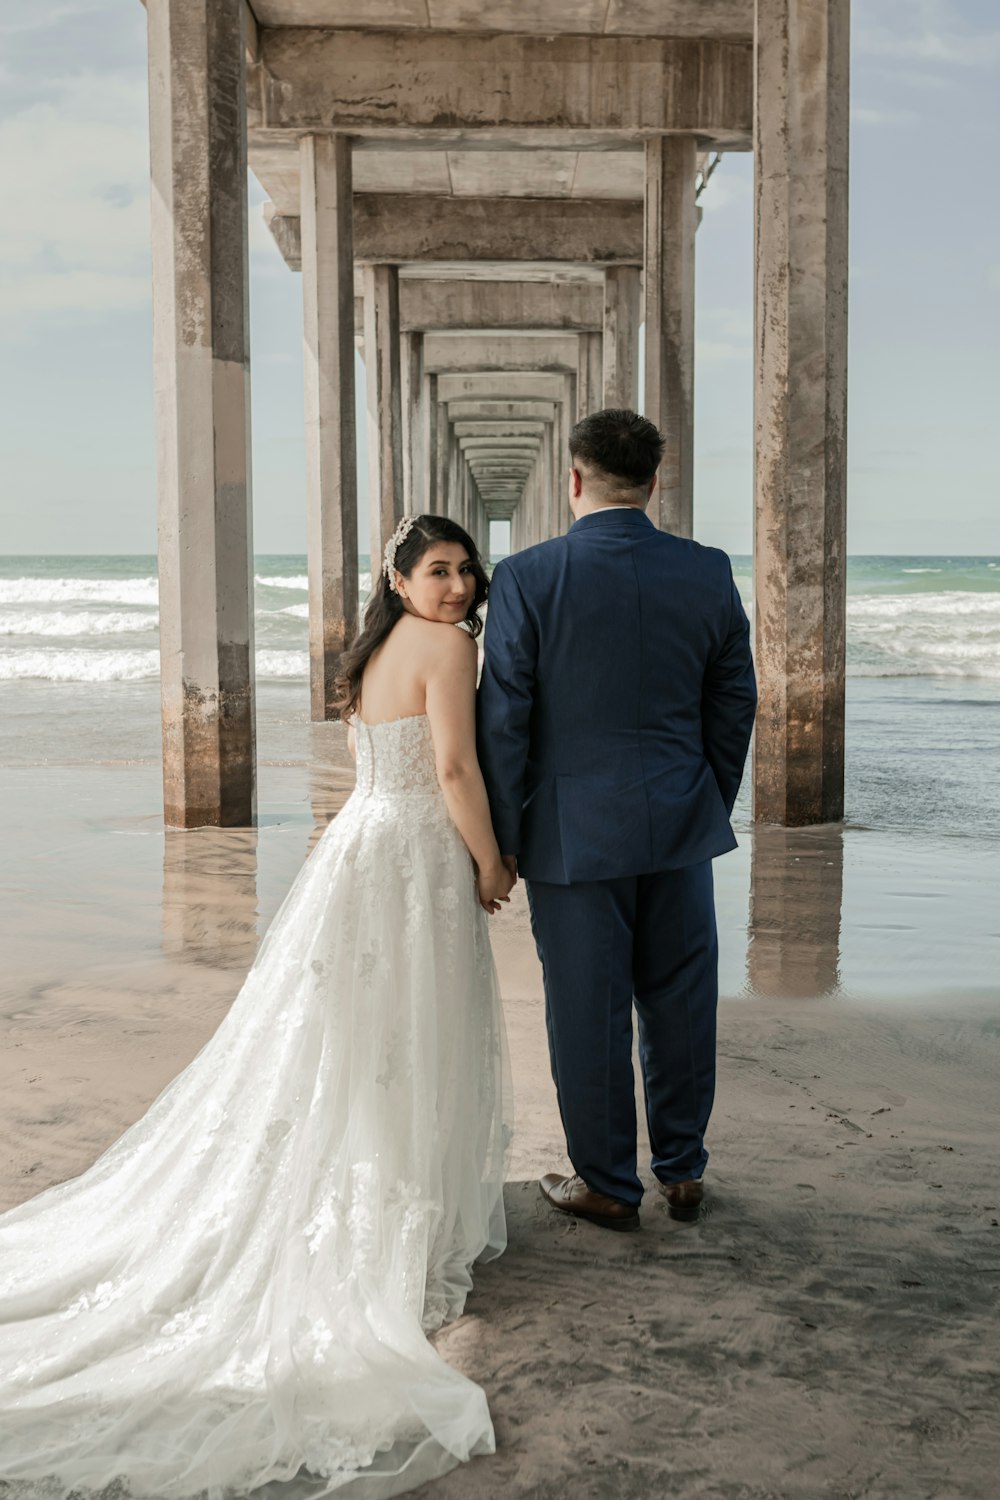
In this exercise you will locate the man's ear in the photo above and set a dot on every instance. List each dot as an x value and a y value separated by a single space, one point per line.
575 484
652 486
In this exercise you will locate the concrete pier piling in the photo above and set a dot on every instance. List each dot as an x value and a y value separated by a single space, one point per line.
495 252
201 357
800 561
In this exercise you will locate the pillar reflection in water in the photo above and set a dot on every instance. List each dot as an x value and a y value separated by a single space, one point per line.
331 775
796 895
210 904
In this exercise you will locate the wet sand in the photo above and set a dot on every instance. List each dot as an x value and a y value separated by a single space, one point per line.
828 1329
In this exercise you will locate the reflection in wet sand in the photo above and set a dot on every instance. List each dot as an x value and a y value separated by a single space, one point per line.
796 896
331 775
210 903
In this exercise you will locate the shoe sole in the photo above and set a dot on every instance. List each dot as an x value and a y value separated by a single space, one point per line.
685 1215
620 1226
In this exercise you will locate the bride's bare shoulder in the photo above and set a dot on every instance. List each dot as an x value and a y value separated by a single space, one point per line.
439 640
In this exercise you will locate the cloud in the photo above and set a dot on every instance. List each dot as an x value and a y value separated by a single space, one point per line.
927 31
863 115
75 170
76 174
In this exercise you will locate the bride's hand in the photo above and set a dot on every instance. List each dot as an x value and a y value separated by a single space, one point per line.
493 886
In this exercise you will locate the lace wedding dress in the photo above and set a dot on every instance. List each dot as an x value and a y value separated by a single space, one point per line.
236 1295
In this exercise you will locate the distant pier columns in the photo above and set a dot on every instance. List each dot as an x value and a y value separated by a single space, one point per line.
622 314
589 375
671 221
331 464
385 409
198 167
801 164
412 401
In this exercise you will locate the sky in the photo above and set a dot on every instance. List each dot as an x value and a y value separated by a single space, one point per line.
76 419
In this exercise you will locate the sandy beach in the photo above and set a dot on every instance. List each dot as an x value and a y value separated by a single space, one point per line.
828 1329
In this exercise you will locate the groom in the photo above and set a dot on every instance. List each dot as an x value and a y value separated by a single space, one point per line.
615 712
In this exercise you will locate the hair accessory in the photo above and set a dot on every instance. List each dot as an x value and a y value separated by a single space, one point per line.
400 534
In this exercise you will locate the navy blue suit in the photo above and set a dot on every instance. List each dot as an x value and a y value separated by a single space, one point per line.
615 712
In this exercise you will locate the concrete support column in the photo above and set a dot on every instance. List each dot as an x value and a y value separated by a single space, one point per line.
429 439
589 375
441 458
671 221
385 411
622 315
331 461
801 170
201 354
412 394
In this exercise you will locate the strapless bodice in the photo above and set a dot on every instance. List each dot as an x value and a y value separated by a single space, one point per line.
396 758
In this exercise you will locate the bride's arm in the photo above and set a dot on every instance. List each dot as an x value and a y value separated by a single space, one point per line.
451 709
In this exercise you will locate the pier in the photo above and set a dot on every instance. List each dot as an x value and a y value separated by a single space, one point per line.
492 199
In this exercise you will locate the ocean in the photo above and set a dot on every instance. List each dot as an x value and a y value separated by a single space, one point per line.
78 669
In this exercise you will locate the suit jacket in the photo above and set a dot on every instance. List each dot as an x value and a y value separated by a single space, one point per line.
616 701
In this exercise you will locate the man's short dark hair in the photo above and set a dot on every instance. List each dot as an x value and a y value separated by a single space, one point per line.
620 443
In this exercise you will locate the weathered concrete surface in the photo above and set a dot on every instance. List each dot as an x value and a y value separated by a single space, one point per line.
801 409
413 82
385 412
484 445
499 386
411 368
429 424
456 353
452 306
440 306
671 222
498 429
402 229
732 19
622 304
501 411
590 371
328 371
201 378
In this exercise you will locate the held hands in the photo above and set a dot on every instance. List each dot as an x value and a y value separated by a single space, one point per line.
494 884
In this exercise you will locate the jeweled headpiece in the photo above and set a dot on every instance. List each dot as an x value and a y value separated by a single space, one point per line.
400 534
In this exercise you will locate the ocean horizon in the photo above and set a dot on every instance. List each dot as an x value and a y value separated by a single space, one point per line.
79 665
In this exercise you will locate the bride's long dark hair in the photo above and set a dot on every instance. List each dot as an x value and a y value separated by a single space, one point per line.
384 607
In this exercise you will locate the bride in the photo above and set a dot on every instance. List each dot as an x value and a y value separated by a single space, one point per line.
237 1294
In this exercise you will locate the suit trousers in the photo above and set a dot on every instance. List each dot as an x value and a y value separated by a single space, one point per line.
649 940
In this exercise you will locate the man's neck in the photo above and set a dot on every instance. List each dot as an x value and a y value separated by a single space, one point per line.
592 510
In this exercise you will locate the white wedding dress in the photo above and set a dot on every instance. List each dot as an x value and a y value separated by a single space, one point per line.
237 1293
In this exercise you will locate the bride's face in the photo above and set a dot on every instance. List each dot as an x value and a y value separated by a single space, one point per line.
441 586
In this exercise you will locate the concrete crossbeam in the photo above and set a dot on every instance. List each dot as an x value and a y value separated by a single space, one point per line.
406 229
482 445
451 305
472 410
423 84
456 353
469 429
198 164
497 386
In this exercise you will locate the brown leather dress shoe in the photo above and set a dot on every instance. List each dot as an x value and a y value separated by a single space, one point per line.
684 1199
571 1195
